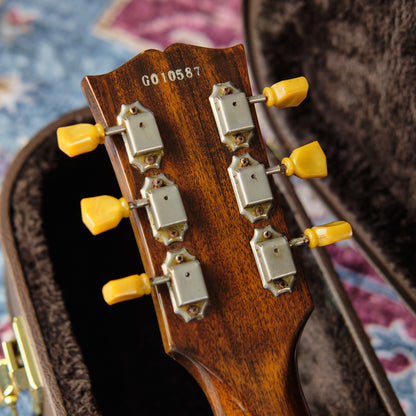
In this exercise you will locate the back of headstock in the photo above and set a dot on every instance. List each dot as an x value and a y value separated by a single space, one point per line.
237 338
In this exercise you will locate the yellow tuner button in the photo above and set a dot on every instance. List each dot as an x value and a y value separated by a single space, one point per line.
80 138
323 235
127 288
308 161
288 93
102 213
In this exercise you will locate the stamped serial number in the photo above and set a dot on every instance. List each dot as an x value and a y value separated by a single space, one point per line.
171 76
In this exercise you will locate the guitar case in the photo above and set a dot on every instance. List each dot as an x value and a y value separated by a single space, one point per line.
359 58
99 360
95 359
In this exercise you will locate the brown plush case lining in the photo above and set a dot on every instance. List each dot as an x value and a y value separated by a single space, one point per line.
360 60
110 360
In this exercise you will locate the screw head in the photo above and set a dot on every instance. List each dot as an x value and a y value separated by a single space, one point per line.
259 211
133 110
226 90
282 284
150 159
193 310
267 234
179 258
157 183
244 162
239 139
173 233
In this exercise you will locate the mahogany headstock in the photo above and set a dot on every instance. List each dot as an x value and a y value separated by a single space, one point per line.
242 351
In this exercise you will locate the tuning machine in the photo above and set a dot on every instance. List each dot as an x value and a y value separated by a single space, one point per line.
283 94
141 136
137 126
231 110
251 186
163 203
185 280
232 115
272 252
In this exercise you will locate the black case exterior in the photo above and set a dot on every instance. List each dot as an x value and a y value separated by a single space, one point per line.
100 360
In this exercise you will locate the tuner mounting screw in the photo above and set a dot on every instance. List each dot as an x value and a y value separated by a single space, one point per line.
259 211
133 110
193 310
226 90
282 284
179 258
157 183
149 159
173 233
244 162
239 139
267 234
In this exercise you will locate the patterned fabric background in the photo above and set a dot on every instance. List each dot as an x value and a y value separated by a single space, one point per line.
46 47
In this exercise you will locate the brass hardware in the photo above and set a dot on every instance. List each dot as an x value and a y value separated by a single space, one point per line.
19 371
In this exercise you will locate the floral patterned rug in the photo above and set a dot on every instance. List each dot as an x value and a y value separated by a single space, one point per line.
46 47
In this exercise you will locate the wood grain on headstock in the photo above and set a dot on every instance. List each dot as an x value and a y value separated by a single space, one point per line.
243 352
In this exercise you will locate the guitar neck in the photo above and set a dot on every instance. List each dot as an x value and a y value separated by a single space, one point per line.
242 352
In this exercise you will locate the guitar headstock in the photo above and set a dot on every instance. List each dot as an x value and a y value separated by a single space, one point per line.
182 134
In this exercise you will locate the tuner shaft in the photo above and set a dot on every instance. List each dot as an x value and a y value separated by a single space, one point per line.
159 280
257 99
275 169
138 203
109 131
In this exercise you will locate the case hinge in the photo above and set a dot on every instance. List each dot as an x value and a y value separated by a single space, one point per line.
19 371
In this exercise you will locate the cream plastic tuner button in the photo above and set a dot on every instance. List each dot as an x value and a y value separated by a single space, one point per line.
83 138
130 287
163 203
102 213
287 93
324 235
80 138
308 161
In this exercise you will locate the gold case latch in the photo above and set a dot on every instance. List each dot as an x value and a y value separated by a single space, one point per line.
19 371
